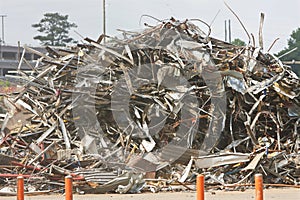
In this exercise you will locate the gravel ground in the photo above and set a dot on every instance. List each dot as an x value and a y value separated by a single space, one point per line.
269 194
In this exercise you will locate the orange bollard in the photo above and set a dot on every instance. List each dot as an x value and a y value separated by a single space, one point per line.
259 194
200 187
20 188
69 188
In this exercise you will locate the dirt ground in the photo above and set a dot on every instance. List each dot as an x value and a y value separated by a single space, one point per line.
269 194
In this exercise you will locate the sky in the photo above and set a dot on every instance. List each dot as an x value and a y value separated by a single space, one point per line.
281 17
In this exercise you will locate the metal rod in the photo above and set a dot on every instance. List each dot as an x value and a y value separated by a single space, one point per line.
291 62
260 34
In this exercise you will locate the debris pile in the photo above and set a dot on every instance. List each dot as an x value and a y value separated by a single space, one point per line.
150 111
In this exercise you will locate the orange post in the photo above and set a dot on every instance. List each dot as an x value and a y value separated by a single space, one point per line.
200 187
259 194
20 188
69 188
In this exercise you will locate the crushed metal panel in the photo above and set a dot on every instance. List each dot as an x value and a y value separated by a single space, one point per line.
98 176
6 159
140 164
170 154
252 165
222 159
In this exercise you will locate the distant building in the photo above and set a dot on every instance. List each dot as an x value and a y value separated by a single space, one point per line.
10 55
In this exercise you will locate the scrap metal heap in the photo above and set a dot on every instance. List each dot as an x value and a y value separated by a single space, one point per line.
149 112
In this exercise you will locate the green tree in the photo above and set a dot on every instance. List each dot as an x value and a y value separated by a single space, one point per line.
55 30
238 42
293 42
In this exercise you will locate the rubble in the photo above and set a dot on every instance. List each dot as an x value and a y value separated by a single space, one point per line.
150 111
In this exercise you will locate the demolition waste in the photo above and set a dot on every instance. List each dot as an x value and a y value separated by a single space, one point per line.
148 112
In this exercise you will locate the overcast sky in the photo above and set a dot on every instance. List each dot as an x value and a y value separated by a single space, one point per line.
281 17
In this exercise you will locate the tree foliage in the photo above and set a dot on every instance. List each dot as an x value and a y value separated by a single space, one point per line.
55 30
293 42
238 42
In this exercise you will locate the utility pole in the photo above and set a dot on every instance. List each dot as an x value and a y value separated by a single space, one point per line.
2 38
229 31
104 20
225 31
